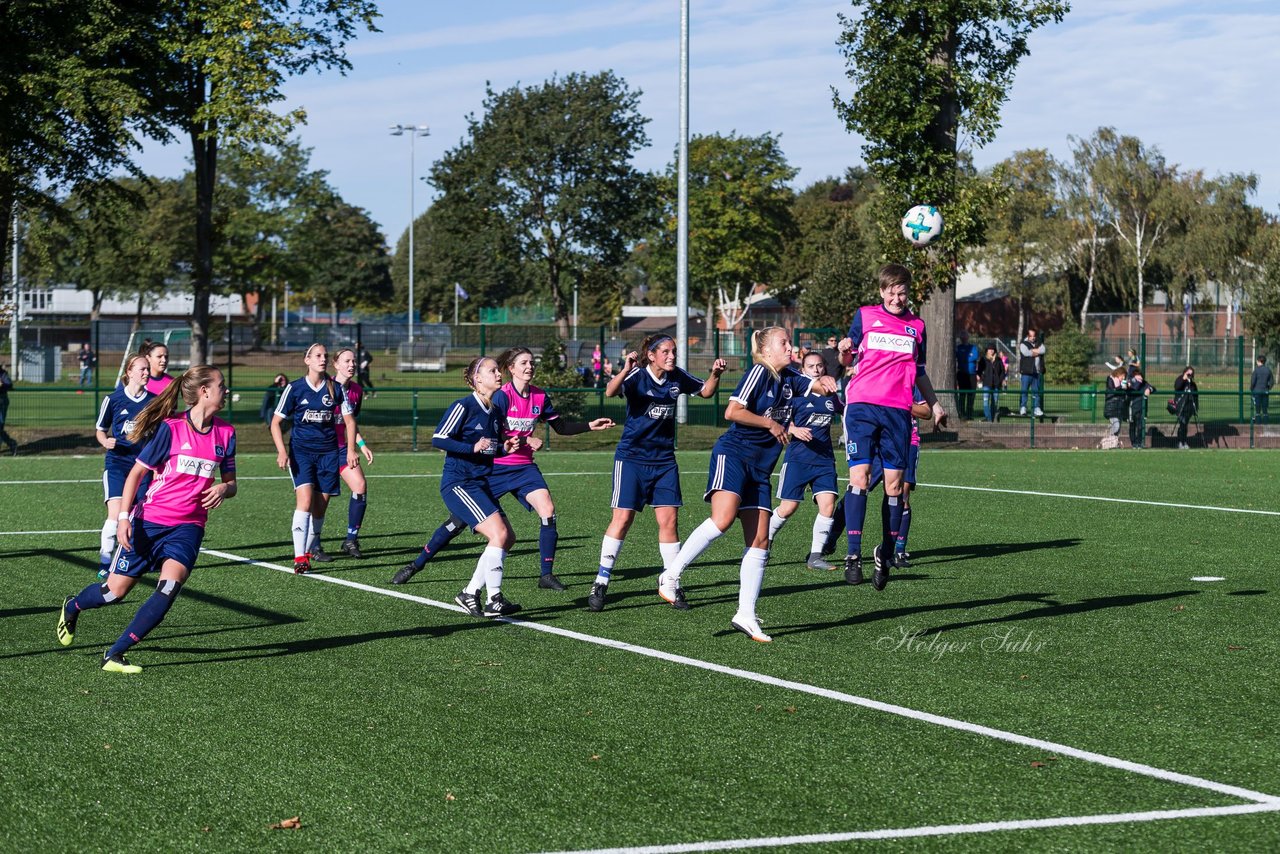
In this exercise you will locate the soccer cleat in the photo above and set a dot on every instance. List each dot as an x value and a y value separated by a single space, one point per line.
550 582
498 606
853 569
815 561
671 592
351 548
406 572
301 565
118 664
103 573
880 577
595 602
470 603
901 560
67 624
319 555
750 627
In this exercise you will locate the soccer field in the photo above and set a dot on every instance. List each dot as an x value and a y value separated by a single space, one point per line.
1052 672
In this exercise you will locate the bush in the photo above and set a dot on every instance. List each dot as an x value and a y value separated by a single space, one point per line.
554 372
1069 355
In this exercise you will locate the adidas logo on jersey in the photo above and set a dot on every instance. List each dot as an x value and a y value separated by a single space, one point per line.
186 446
873 326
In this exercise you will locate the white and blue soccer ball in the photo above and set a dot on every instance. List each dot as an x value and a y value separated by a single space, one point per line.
922 225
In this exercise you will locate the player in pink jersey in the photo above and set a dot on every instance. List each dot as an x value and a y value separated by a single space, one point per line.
522 405
344 372
157 363
890 343
165 531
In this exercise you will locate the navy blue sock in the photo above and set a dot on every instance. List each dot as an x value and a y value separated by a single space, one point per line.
441 538
885 531
355 515
903 527
833 536
148 616
95 595
855 513
892 521
547 539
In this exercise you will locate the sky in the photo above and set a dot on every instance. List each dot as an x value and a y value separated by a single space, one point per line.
1197 80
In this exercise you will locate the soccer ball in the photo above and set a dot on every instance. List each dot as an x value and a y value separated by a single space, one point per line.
235 398
922 225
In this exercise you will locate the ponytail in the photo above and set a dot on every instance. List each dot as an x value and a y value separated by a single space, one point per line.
758 340
166 403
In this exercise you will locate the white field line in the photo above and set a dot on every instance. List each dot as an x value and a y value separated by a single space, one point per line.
937 830
42 533
839 696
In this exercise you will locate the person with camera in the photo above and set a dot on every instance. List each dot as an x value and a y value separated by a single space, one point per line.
1113 407
1138 392
1186 402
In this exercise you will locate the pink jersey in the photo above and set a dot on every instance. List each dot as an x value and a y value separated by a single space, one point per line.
890 347
354 394
522 413
155 385
184 461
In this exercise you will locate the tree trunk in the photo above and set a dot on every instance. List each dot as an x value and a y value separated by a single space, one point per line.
204 143
137 314
938 313
1093 273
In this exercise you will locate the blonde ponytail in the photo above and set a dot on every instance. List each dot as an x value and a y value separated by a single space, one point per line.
758 340
166 403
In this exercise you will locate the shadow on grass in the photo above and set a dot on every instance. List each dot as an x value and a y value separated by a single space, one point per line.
988 551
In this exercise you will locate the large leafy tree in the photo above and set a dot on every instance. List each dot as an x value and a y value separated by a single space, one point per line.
214 70
1262 289
553 162
1216 232
925 74
343 257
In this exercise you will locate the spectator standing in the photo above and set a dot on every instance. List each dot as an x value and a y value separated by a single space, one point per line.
1132 363
1031 367
596 365
967 357
1138 392
85 358
831 358
1113 407
363 360
271 397
6 383
1260 384
1186 402
991 379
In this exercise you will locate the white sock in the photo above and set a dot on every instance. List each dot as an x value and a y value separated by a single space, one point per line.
750 579
668 552
491 559
821 528
301 532
609 550
702 537
107 545
317 525
775 524
477 577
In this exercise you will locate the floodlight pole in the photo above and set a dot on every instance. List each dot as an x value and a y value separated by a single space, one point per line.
17 301
682 215
412 131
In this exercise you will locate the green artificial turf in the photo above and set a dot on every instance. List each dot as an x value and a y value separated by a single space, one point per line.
392 724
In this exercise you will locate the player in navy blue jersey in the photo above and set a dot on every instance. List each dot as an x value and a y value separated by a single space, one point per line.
470 434
348 390
810 463
311 404
115 421
742 461
644 464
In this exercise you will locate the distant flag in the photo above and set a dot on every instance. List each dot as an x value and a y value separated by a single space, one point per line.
459 292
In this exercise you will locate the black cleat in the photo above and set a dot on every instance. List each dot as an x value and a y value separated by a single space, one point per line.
853 569
901 560
880 577
595 602
406 572
319 555
470 603
351 548
498 606
550 582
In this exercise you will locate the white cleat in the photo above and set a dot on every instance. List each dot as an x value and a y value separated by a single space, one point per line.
750 627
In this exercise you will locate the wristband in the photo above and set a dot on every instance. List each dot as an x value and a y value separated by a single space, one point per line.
360 442
123 517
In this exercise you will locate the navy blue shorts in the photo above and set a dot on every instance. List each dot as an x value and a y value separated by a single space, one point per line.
470 500
795 477
115 472
741 476
317 470
871 430
637 484
154 544
518 481
908 474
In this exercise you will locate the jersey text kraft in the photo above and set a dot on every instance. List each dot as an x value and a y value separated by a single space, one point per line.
893 343
658 411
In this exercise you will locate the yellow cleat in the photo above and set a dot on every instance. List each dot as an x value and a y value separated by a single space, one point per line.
119 664
67 625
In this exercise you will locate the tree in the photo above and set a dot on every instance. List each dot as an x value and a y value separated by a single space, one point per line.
843 274
740 218
553 164
1262 289
817 211
925 73
343 257
1085 218
214 70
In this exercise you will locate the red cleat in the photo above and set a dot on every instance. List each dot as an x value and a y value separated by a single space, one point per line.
301 565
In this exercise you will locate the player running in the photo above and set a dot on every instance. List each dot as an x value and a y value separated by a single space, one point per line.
522 405
742 461
165 531
350 391
116 420
310 403
644 463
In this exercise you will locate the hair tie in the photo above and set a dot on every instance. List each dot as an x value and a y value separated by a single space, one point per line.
656 344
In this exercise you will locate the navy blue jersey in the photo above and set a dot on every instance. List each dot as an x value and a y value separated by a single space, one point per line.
115 418
762 393
311 411
815 412
649 433
466 422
